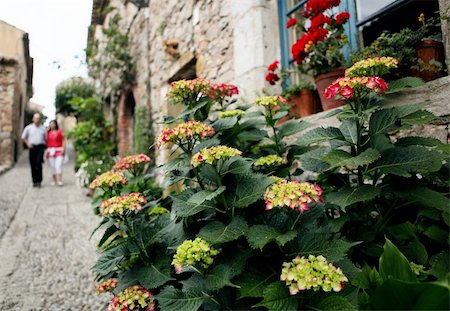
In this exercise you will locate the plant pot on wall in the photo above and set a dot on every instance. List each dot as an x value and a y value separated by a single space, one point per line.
325 80
305 103
430 56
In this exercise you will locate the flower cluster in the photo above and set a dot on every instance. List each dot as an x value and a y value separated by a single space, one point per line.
272 77
122 204
347 86
132 298
184 132
269 160
130 162
106 286
291 22
186 91
209 155
376 66
323 27
108 179
192 253
270 101
158 211
292 194
231 113
314 273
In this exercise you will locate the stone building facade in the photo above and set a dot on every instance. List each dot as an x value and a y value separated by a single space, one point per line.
16 73
225 41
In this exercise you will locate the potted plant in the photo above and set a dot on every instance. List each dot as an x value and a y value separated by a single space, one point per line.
302 99
318 50
429 52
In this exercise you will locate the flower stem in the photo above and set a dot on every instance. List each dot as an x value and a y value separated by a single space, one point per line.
296 220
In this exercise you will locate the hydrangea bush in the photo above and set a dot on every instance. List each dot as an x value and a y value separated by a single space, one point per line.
245 228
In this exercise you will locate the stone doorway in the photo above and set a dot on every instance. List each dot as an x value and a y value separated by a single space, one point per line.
125 124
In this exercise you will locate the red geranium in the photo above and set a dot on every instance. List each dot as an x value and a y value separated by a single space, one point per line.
317 35
319 21
315 7
272 78
291 22
342 17
274 66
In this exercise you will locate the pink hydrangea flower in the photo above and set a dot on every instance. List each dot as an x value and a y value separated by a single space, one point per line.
106 286
108 179
132 298
130 162
121 205
184 132
347 86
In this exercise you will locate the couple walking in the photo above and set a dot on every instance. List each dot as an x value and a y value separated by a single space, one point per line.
37 138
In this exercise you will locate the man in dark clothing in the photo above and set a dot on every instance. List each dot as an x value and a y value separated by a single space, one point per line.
34 136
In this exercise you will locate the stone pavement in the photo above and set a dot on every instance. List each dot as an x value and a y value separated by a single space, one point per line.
45 251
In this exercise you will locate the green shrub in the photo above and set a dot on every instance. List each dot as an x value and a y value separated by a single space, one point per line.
143 136
68 90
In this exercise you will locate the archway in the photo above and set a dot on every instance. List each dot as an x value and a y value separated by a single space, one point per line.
125 124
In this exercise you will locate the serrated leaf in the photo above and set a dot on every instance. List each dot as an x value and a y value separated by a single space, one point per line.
255 185
380 142
418 118
291 127
382 122
439 265
403 161
219 277
402 84
207 143
417 141
366 157
188 203
109 260
236 165
225 123
171 298
335 303
320 134
426 197
347 196
253 282
217 233
393 264
310 160
286 237
349 130
259 235
277 298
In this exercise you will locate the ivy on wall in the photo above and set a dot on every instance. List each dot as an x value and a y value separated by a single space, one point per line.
143 134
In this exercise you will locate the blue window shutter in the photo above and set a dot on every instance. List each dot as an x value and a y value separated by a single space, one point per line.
350 27
284 37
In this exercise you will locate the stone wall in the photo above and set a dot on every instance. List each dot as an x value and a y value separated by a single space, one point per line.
7 113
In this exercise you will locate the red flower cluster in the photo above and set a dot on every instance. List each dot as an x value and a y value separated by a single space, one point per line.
222 90
319 21
316 7
302 46
347 86
271 76
291 22
342 17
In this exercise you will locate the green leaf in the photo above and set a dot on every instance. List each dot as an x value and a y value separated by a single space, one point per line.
253 282
347 196
380 142
255 185
311 160
321 134
418 118
425 197
109 232
417 141
277 298
217 233
172 298
226 123
188 203
382 122
219 277
349 130
403 161
259 235
236 165
109 260
401 295
403 84
437 234
439 265
338 158
394 265
291 127
335 303
286 237
156 274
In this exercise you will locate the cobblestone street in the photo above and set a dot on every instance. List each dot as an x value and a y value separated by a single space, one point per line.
45 251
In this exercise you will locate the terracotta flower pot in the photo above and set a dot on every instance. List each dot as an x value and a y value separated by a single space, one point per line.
427 52
325 80
304 103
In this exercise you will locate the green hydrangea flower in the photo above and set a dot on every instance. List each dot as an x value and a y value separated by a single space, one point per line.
194 253
417 269
375 66
313 273
209 155
158 211
270 101
231 113
269 160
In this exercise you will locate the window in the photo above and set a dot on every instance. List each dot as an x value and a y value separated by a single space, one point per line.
291 8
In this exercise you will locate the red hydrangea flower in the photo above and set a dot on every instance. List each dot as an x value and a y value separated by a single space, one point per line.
291 22
342 17
272 78
315 7
346 86
274 66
